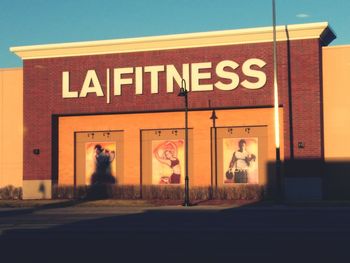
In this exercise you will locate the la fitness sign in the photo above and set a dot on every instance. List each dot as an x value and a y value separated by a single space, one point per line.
253 78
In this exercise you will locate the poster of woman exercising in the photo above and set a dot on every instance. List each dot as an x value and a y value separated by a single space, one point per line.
167 162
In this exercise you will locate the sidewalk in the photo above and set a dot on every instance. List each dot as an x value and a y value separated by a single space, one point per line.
219 204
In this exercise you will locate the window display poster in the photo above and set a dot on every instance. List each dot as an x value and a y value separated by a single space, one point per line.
168 162
240 160
100 162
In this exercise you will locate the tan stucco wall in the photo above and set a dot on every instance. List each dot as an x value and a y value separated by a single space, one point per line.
336 98
37 189
131 124
11 127
336 87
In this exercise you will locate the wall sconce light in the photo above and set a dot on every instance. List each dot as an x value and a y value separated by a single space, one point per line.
230 130
301 145
106 134
91 134
247 130
158 132
174 132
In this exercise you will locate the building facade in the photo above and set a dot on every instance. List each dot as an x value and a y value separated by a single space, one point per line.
122 96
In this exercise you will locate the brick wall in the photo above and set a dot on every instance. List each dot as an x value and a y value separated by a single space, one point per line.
306 79
298 77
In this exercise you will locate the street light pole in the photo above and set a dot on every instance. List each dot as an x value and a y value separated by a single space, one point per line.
276 110
183 93
213 118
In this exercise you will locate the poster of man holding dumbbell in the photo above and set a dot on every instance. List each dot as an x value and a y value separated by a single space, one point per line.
240 160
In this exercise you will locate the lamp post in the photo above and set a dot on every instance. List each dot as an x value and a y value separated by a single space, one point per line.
214 118
183 93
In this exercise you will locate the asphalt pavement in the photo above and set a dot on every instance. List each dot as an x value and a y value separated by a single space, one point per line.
274 233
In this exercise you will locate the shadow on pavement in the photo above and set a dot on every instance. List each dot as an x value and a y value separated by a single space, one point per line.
191 235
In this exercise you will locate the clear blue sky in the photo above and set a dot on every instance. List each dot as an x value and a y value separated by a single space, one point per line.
29 22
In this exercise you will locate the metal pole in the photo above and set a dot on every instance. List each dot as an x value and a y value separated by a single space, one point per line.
187 198
216 152
214 117
276 105
183 93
